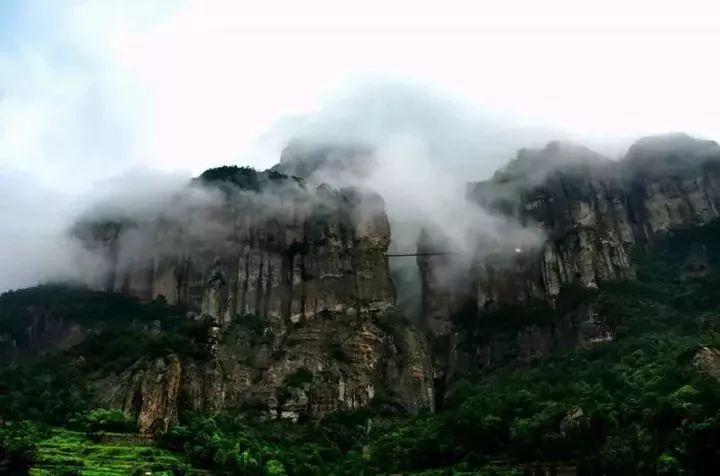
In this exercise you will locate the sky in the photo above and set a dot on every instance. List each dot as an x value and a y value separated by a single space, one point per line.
94 89
102 85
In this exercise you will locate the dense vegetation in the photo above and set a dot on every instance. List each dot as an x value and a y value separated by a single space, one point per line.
637 405
76 304
53 388
244 178
247 178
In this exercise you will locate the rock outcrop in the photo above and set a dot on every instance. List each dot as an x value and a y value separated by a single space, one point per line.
148 390
285 252
592 211
707 362
324 365
296 284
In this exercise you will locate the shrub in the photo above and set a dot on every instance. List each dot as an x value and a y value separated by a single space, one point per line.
113 421
18 447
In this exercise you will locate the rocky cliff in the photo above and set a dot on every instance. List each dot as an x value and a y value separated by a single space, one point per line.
295 285
591 212
289 293
283 251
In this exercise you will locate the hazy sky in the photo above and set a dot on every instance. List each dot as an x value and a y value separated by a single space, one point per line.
90 89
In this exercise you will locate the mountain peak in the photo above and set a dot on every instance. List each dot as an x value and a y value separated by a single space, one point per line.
670 154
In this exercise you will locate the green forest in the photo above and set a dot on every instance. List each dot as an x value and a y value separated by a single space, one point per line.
646 403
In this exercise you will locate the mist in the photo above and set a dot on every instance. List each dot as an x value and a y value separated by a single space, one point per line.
100 115
34 245
427 146
38 244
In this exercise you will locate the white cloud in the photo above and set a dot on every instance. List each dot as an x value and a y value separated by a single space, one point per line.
93 88
192 84
221 72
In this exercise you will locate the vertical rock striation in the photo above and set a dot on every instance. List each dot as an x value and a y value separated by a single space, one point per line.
591 211
296 284
301 253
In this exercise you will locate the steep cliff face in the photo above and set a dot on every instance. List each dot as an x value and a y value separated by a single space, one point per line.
592 212
292 286
296 284
324 365
301 253
148 390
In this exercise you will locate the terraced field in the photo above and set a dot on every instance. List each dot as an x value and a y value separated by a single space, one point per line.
68 453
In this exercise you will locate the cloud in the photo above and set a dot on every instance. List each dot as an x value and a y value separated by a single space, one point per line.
427 145
457 135
70 115
138 194
33 245
67 116
90 89
192 84
221 72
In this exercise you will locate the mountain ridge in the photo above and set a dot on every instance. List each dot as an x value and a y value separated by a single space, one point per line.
275 298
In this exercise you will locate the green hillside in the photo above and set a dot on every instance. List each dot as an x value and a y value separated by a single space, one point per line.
646 403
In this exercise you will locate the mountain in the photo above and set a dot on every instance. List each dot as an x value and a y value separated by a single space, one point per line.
288 287
593 213
251 326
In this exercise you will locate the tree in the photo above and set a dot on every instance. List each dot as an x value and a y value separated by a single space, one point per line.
18 447
113 421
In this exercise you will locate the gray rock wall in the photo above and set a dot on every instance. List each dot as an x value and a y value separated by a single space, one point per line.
311 265
592 212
